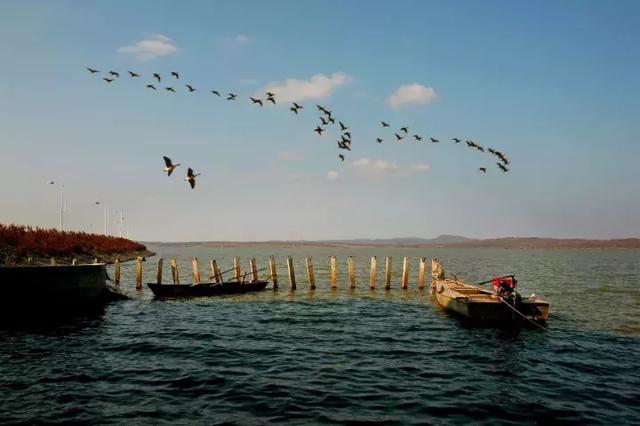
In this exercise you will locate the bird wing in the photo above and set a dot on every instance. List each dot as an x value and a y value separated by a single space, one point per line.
192 182
167 161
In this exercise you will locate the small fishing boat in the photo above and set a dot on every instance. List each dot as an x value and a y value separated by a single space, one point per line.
504 304
206 289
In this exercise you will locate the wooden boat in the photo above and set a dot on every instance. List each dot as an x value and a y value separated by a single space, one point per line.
476 303
206 289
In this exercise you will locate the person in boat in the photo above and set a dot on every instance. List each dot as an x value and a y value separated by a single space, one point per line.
504 286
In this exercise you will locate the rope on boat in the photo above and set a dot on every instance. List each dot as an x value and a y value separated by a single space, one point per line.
521 314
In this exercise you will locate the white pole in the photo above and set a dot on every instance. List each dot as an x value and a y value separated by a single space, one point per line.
62 208
106 219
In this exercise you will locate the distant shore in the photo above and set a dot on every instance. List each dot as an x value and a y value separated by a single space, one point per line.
439 242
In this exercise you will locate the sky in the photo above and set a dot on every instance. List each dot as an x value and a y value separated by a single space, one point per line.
553 85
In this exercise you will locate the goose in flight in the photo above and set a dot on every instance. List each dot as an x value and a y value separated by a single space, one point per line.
175 74
191 178
456 140
108 80
342 126
318 130
272 99
294 109
398 137
323 121
323 109
379 140
270 94
151 86
133 74
434 140
297 106
384 124
190 88
483 169
256 101
502 167
113 73
156 76
348 134
231 96
215 92
170 89
341 157
418 138
405 130
92 70
169 167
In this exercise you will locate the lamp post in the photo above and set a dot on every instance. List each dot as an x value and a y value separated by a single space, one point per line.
51 182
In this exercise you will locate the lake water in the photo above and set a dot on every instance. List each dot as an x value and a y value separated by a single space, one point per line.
342 356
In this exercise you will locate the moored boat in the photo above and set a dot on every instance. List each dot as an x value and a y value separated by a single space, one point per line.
504 304
206 289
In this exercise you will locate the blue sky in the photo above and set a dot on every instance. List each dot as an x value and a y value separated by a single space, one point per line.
554 85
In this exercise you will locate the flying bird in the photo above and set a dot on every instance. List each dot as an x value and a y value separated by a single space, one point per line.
483 169
479 148
343 145
470 143
418 138
434 140
169 167
345 140
170 89
113 73
331 120
456 140
405 130
323 109
379 140
272 100
231 96
175 74
191 177
156 76
256 101
151 86
297 106
318 130
398 137
323 121
341 157
384 124
215 92
270 94
92 70
502 167
294 109
133 74
108 80
347 134
190 88
342 126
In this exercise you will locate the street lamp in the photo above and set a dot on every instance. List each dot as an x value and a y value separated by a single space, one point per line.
61 203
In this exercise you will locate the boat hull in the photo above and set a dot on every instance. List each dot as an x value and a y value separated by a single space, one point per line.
205 289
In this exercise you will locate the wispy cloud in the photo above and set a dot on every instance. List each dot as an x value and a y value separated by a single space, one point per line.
233 41
412 94
290 156
151 47
318 86
381 168
332 175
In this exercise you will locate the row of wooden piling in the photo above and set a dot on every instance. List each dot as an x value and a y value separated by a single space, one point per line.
271 268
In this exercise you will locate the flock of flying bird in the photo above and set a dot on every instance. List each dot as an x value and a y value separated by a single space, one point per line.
326 119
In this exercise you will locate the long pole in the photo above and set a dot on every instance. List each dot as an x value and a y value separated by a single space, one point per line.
106 219
62 208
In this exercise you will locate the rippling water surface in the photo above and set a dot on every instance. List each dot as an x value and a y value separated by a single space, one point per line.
343 356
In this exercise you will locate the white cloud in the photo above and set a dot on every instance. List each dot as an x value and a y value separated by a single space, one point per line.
318 86
384 167
332 175
151 47
412 94
290 156
233 41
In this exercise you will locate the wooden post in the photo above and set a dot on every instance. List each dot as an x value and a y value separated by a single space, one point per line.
372 272
116 272
351 272
52 262
334 277
273 271
254 269
195 270
174 271
387 273
405 273
159 272
310 276
292 275
236 268
74 261
423 263
215 271
138 273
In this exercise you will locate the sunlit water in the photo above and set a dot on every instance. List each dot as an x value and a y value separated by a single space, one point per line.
342 356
